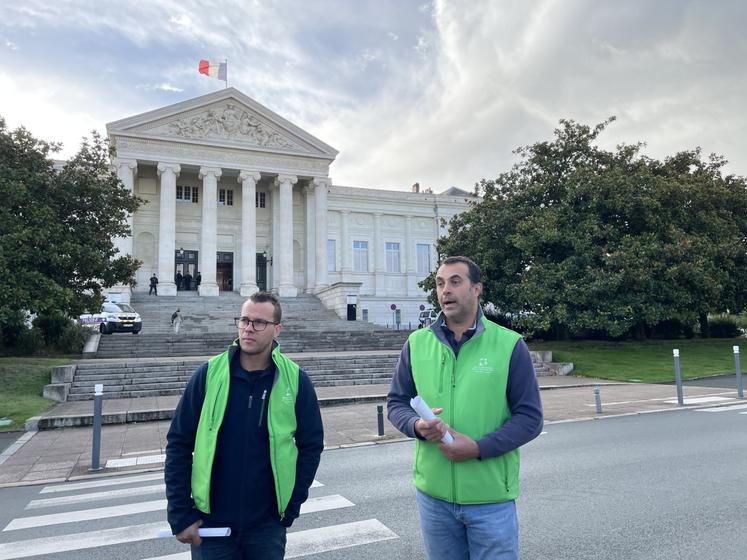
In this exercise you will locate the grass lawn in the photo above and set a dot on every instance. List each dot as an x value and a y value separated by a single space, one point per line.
649 361
21 383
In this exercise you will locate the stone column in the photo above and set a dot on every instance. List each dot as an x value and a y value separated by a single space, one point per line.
272 251
346 247
379 257
248 180
308 193
209 240
168 172
320 196
126 169
284 251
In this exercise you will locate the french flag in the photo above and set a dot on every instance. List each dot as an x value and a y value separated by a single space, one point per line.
214 69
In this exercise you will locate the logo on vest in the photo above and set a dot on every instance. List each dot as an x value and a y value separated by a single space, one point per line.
482 366
288 396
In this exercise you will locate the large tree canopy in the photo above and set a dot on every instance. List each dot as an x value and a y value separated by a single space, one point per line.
57 225
582 240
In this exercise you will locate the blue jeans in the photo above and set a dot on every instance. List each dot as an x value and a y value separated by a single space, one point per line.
265 542
468 532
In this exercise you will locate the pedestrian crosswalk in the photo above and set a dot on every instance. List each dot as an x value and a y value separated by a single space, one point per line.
739 408
121 517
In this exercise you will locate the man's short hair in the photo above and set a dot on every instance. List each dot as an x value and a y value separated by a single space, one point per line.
262 297
473 271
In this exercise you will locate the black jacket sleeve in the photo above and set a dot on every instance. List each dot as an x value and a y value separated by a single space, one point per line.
310 443
180 442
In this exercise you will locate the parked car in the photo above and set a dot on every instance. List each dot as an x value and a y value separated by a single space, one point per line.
427 317
114 317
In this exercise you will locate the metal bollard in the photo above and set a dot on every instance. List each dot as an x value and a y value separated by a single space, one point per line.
740 384
98 397
380 418
598 400
678 376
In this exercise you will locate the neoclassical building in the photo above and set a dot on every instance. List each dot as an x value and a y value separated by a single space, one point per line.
243 197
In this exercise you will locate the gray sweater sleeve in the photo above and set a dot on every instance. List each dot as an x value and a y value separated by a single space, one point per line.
522 392
401 391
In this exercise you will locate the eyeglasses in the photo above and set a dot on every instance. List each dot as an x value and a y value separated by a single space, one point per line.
257 324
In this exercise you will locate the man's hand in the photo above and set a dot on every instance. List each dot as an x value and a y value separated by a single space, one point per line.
462 448
190 534
432 430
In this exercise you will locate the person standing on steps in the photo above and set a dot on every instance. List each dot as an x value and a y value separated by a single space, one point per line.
153 285
244 443
176 320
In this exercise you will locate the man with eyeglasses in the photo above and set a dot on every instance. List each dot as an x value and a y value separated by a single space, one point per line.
244 443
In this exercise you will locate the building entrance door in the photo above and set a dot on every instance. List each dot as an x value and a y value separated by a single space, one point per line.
186 266
261 272
224 271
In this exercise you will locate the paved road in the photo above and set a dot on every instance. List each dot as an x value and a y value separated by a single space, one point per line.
651 486
6 438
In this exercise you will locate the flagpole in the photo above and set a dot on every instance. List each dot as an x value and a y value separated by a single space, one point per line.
226 73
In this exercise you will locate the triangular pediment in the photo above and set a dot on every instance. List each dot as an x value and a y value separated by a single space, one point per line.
226 118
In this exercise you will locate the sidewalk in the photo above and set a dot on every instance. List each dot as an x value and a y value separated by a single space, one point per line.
349 414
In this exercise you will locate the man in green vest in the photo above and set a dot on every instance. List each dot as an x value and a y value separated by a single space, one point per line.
244 444
480 379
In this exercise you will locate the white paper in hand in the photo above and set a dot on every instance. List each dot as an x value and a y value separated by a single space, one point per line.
425 412
203 532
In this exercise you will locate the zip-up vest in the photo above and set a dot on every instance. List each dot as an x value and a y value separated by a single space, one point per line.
471 388
281 424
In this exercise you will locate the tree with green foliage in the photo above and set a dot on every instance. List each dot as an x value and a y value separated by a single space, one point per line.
584 241
57 227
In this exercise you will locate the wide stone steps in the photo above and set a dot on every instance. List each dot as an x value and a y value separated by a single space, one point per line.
156 345
137 378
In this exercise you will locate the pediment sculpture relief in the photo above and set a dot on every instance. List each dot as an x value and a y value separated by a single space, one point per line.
230 122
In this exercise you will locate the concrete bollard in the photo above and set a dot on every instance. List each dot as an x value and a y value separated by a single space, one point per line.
98 397
678 376
380 418
598 400
740 384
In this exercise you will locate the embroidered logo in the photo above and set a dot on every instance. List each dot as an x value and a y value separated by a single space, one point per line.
288 396
483 366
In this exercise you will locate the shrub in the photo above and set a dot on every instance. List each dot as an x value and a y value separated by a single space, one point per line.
29 342
723 327
52 325
72 339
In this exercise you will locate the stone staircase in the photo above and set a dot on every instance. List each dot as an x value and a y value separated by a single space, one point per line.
157 377
147 378
208 328
157 362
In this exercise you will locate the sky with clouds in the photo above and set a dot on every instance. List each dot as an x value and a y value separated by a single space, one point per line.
436 92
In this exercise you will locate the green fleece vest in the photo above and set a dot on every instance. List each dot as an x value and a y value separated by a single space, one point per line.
281 424
471 388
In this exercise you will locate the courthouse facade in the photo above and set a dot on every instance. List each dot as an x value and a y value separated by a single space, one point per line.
242 197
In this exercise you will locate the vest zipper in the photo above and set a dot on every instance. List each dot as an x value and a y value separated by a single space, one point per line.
443 367
451 423
250 401
262 410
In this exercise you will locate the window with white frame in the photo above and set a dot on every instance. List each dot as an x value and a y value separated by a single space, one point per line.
360 256
259 199
392 257
364 314
186 194
225 197
424 259
331 255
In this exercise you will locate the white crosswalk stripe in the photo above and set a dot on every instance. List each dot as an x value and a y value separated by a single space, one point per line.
137 522
729 408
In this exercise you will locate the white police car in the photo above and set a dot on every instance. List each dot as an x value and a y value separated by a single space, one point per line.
114 317
426 318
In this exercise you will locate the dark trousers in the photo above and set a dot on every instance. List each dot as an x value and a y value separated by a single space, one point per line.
152 290
265 542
